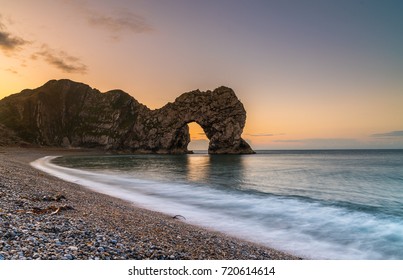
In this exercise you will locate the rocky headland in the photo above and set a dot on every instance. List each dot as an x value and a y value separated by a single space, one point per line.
63 113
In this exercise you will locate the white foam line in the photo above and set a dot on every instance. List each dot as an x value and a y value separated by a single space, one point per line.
288 222
95 183
194 215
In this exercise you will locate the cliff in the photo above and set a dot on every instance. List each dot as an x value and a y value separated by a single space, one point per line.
70 114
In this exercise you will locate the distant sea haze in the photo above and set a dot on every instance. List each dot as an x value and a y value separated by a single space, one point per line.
341 204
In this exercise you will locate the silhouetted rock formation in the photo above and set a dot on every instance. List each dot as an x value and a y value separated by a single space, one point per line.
71 114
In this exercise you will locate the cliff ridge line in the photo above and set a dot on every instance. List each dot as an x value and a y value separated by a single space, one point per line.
64 113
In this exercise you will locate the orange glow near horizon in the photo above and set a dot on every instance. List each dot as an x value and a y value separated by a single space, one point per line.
196 132
324 89
198 139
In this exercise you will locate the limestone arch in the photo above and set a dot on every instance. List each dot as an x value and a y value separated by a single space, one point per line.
114 120
220 114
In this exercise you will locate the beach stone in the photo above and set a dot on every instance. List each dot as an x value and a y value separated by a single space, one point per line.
32 239
9 234
64 113
68 256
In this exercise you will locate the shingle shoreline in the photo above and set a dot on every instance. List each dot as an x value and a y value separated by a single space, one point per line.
42 217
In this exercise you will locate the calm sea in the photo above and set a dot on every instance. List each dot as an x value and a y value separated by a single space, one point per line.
342 204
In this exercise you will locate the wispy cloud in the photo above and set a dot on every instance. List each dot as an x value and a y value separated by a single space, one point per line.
323 143
289 141
119 22
260 134
61 60
115 22
9 42
12 70
264 134
398 133
198 136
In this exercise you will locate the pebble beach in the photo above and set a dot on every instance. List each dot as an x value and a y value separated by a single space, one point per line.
43 217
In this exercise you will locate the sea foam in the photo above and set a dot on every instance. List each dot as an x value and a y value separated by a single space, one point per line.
305 227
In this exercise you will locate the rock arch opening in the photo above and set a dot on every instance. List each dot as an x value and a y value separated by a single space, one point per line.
199 141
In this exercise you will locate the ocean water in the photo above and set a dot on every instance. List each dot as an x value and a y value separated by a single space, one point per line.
342 204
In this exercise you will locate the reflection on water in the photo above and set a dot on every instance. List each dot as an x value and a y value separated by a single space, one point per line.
222 171
197 168
216 170
298 199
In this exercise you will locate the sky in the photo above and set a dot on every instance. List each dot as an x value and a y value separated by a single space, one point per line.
312 74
